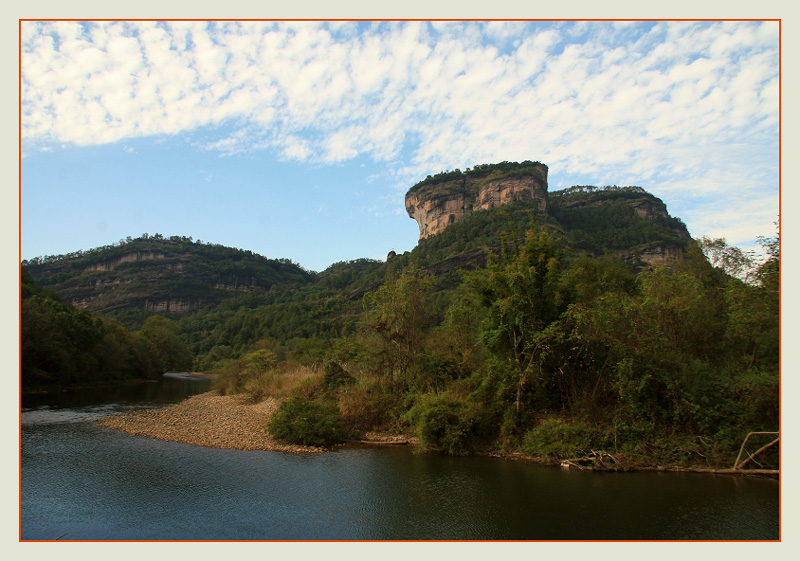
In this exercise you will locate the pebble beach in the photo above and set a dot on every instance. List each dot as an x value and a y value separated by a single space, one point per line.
209 419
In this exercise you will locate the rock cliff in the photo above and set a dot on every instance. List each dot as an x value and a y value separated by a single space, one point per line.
627 221
443 200
175 306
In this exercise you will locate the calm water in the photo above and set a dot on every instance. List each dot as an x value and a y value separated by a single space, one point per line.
84 482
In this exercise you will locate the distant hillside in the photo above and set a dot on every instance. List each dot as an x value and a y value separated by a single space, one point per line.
152 274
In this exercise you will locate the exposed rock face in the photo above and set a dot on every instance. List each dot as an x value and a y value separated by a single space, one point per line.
661 255
136 256
506 191
171 305
438 205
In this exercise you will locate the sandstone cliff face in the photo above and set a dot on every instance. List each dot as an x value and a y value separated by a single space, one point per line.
655 255
661 255
171 305
506 191
136 256
437 206
435 210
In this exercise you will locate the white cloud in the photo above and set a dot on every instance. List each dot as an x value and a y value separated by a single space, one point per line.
583 97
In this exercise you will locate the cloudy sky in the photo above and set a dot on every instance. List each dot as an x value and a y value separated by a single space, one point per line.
299 139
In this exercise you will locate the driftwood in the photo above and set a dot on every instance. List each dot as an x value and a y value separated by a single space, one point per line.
737 465
596 459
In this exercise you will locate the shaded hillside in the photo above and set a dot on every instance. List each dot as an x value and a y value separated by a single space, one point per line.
151 274
627 222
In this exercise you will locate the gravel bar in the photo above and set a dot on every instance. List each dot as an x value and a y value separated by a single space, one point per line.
209 419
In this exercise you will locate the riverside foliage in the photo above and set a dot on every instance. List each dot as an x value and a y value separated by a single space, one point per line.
62 346
557 354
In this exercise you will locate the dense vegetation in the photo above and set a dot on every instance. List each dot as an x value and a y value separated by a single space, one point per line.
557 354
600 220
62 346
512 330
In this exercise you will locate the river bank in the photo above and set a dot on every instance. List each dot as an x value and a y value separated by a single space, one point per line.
237 422
208 419
219 421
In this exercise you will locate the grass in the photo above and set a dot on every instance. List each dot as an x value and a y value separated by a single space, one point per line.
279 381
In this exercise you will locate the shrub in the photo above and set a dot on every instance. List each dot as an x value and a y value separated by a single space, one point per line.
443 423
336 376
555 438
365 405
310 423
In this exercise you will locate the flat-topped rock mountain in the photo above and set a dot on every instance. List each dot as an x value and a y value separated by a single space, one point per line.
628 222
444 199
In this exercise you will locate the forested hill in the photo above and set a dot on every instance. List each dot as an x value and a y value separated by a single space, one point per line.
140 277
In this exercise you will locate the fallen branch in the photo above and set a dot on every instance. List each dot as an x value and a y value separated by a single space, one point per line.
593 460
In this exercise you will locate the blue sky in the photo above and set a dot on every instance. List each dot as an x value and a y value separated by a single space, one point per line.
299 139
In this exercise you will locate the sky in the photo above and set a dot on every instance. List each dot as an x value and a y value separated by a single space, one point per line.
299 140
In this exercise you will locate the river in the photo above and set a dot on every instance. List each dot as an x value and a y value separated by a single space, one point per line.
84 482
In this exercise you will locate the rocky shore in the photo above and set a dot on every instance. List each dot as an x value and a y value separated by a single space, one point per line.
222 421
237 422
217 421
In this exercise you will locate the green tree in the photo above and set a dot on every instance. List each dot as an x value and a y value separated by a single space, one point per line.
61 345
730 259
169 350
665 348
525 299
396 316
753 327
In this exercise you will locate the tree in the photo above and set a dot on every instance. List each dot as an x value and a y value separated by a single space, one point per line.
169 350
525 297
730 259
754 311
397 316
62 345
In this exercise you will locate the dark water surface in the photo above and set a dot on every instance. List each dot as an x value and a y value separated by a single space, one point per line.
85 482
